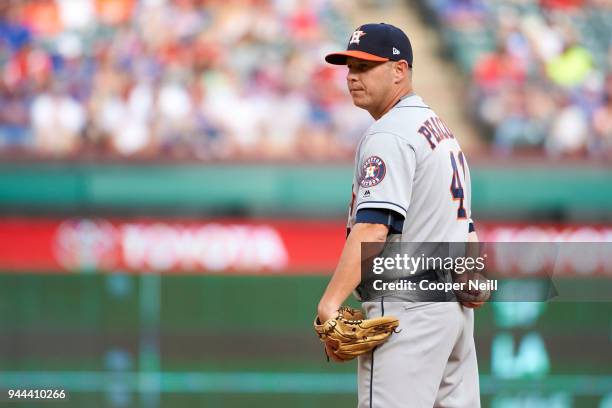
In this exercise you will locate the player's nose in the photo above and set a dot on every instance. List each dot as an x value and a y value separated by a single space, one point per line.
351 76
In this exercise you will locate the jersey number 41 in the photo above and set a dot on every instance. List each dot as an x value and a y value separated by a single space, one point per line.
456 188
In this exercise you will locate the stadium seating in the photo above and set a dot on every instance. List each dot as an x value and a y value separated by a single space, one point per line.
176 79
540 71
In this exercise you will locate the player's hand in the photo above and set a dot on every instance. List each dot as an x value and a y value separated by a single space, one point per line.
472 305
326 312
471 298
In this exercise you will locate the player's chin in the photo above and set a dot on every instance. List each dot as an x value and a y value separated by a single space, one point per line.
359 100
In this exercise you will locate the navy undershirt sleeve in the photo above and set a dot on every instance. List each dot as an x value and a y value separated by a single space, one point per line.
390 218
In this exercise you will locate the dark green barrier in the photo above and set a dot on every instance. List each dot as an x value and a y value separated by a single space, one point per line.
313 190
220 189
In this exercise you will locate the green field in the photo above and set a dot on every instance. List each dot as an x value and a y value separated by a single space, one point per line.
182 341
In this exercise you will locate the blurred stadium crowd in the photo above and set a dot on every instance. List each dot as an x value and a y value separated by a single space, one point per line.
541 71
226 79
201 79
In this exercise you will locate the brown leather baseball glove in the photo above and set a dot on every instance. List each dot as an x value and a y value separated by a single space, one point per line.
349 334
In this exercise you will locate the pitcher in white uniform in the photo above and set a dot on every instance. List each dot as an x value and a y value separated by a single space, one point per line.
411 183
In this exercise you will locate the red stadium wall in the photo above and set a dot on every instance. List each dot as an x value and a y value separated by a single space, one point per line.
213 246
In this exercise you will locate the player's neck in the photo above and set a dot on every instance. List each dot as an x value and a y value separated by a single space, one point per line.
392 101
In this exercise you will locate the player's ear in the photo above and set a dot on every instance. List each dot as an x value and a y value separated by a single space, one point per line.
401 71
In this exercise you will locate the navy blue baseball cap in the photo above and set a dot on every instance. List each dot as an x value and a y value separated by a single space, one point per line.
375 42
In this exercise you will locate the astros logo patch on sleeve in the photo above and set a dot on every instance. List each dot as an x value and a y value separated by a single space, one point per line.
372 171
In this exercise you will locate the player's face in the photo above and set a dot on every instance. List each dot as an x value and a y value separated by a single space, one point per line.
369 83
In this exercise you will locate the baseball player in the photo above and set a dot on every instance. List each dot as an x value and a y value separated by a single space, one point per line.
411 181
